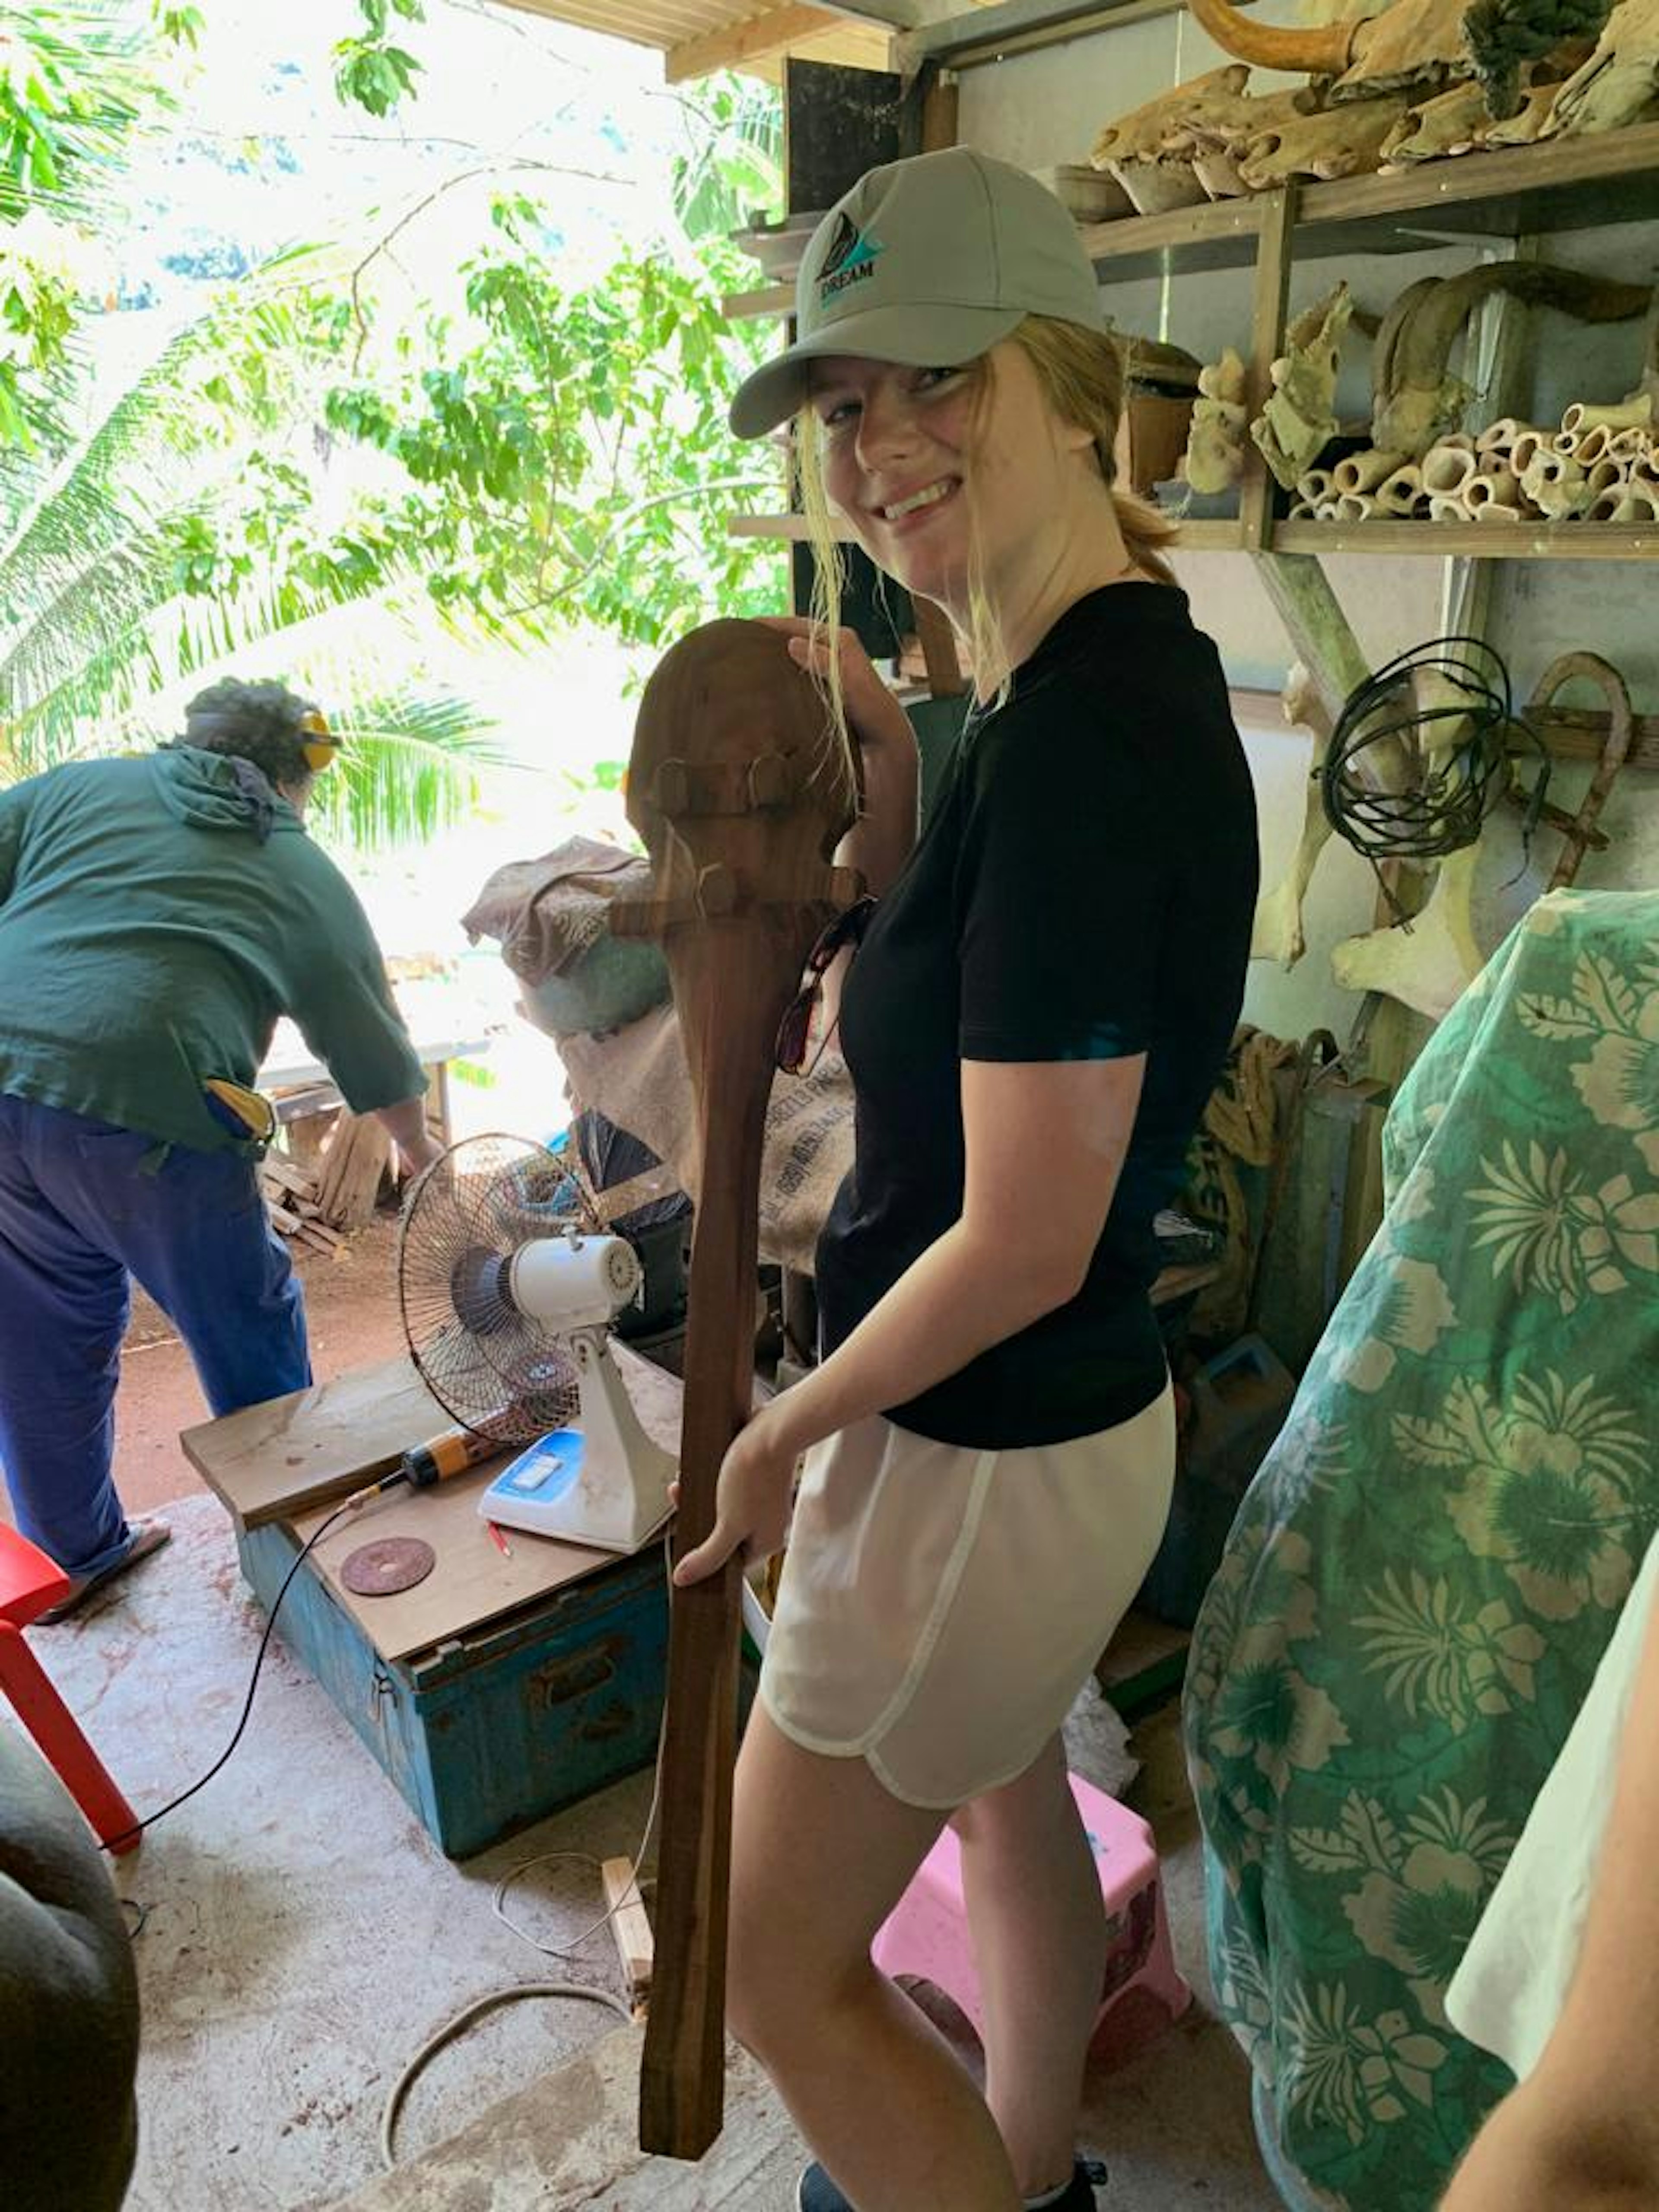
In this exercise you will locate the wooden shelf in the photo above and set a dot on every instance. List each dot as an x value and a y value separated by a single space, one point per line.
1208 536
1496 541
744 306
1565 184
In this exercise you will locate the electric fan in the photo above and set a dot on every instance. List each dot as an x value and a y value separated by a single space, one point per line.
507 1289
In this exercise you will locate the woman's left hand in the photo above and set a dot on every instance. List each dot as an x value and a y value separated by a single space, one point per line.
752 1501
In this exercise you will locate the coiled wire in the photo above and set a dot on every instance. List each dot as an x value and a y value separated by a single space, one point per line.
1449 792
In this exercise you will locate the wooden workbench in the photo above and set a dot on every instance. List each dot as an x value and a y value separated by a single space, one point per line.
293 1461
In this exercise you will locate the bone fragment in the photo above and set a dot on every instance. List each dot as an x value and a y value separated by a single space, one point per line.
1625 502
1356 507
1315 484
1215 442
1431 963
1299 418
1446 470
1556 485
1448 506
1635 413
1618 82
1398 495
1500 491
1362 472
1525 444
1277 931
1500 435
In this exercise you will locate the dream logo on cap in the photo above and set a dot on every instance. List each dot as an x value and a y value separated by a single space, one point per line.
850 259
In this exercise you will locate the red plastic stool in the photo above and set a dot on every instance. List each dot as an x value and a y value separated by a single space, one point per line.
29 1582
925 1935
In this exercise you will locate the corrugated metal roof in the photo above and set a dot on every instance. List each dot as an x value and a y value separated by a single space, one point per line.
697 36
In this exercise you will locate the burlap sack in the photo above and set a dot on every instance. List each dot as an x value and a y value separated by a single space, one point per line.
638 1078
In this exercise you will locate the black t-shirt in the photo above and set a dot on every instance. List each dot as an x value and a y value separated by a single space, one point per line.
1083 890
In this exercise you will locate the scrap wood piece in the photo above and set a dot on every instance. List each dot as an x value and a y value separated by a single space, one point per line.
630 1924
739 791
352 1166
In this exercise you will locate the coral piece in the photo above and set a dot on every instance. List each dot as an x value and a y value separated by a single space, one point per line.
1215 444
1504 36
1300 419
1620 82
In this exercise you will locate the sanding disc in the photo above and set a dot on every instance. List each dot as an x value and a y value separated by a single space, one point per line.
388 1564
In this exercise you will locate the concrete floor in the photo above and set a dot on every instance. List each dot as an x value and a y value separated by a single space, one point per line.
299 1937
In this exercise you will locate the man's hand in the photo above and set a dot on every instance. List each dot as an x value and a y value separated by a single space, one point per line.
417 1154
751 1501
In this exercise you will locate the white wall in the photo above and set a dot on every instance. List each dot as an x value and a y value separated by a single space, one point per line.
1045 107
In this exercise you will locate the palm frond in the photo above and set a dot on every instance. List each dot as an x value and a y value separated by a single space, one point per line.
409 769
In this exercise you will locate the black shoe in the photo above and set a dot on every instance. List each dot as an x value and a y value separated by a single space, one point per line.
816 2192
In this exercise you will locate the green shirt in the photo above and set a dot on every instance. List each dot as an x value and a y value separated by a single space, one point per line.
150 939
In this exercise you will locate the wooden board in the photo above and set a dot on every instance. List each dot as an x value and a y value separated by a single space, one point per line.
271 1462
294 1455
296 1459
470 1582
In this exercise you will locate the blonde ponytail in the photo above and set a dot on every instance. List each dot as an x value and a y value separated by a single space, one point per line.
1084 374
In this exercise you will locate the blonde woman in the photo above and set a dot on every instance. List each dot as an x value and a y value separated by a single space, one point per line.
1033 1022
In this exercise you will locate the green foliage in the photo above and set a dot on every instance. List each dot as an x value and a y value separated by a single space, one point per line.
370 72
572 459
512 454
73 91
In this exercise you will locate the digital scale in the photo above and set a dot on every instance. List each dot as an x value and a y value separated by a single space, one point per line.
537 1490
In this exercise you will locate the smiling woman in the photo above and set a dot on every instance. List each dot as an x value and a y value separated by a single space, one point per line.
1041 1001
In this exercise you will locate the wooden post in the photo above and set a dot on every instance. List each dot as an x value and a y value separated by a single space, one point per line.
1271 292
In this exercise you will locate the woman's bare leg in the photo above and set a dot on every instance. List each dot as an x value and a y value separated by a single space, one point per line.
821 1853
1039 1935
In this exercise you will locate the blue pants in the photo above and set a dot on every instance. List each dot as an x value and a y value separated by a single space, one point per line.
79 1211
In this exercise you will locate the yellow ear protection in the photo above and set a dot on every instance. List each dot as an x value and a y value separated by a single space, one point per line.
324 744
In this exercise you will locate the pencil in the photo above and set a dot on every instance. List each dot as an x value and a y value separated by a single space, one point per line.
499 1540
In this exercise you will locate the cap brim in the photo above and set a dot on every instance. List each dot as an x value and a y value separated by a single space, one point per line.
916 337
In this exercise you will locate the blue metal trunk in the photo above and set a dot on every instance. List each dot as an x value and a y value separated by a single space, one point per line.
494 1728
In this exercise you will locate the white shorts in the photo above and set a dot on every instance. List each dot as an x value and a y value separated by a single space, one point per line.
940 1608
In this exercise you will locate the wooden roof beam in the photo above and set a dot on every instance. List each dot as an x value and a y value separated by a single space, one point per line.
753 41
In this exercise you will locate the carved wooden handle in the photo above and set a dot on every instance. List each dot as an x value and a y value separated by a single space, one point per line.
740 793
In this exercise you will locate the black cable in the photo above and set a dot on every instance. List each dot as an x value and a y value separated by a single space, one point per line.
114 1842
1445 805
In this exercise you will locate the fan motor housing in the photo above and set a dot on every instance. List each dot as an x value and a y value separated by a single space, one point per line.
573 1282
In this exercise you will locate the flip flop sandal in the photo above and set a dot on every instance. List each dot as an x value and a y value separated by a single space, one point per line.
148 1536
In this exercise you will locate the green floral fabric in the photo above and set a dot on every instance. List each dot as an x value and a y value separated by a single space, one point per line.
1433 1556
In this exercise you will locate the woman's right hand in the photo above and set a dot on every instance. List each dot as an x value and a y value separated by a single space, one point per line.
879 725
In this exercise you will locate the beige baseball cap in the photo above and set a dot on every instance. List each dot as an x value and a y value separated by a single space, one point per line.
929 262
